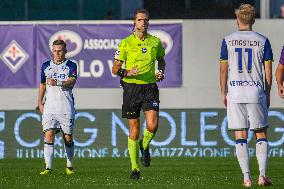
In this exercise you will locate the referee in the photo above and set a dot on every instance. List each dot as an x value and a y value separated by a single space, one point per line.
139 52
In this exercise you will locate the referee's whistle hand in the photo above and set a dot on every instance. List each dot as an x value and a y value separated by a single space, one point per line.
160 76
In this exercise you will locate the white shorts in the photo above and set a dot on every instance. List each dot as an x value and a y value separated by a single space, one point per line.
64 122
243 116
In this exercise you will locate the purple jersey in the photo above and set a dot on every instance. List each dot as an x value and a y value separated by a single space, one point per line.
281 61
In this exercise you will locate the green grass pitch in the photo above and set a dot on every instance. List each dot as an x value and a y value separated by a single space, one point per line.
114 173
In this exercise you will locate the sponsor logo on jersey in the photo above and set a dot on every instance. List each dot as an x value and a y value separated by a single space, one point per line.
14 56
144 50
245 83
57 76
165 38
72 39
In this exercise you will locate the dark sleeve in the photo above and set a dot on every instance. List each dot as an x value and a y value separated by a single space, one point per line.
224 51
72 70
268 55
42 72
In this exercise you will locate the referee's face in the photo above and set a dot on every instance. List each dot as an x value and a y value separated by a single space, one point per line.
58 52
141 22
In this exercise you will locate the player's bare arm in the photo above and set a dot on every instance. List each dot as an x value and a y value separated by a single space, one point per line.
268 80
279 79
161 67
223 81
67 84
119 71
42 88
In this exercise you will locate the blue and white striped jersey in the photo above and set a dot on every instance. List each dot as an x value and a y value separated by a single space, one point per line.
59 100
246 53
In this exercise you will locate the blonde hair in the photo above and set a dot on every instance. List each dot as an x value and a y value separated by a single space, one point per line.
245 14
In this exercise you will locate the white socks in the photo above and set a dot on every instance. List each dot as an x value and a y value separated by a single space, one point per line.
48 154
69 150
261 155
243 157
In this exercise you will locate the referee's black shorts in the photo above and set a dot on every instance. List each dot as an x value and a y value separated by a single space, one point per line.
137 96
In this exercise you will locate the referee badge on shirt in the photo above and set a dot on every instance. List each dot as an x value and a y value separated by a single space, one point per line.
144 50
116 55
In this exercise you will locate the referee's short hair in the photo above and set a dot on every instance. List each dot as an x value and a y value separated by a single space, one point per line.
59 42
144 11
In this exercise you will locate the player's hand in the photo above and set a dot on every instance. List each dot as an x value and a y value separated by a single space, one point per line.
50 81
40 107
281 91
224 100
132 72
160 75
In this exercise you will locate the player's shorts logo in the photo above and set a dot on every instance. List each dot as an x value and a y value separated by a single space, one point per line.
72 39
155 104
166 39
14 56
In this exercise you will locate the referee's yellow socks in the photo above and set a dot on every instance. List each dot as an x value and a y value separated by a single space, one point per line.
133 149
147 137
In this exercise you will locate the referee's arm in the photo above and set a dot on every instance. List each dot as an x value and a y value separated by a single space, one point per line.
116 66
117 70
161 64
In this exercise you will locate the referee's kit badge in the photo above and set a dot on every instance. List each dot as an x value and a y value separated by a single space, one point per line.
144 50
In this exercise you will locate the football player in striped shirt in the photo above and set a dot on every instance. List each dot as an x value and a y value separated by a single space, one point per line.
245 89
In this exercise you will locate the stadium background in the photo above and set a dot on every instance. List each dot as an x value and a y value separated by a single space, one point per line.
192 119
